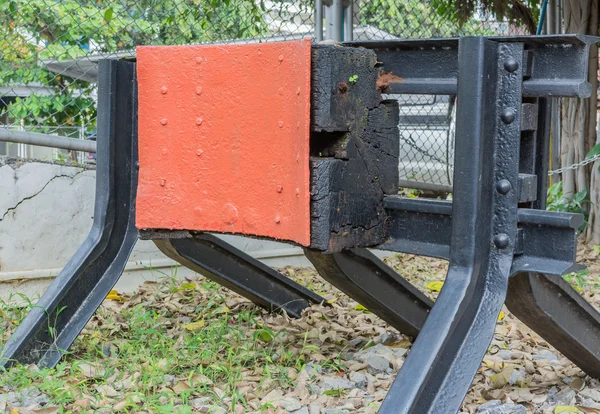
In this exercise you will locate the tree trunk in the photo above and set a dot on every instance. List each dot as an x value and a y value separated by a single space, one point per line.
579 120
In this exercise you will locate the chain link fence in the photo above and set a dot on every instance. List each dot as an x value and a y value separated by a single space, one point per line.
50 50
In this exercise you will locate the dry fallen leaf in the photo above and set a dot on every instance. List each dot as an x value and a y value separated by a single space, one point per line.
361 308
501 316
566 409
91 370
121 405
180 387
500 379
577 384
107 390
114 295
435 286
46 410
194 326
199 379
187 286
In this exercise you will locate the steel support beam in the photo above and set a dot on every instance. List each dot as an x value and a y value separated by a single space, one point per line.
444 359
52 325
362 276
230 267
560 315
546 241
431 66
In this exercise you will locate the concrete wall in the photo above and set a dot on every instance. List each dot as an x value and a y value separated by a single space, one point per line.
46 211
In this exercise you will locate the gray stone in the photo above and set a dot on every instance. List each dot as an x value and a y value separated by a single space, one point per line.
314 389
335 383
169 379
377 364
356 342
197 403
290 404
590 393
9 397
389 338
315 408
505 354
359 380
518 376
545 354
32 397
496 407
387 352
312 368
302 410
336 411
588 402
564 397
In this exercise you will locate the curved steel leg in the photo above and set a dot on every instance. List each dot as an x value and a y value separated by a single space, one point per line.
444 359
553 309
234 269
73 297
362 276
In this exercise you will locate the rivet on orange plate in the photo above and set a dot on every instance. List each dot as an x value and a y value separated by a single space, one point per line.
254 134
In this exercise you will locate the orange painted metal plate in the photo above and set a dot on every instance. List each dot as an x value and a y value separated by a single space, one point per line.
224 139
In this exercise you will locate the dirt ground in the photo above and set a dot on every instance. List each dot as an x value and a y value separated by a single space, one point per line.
192 346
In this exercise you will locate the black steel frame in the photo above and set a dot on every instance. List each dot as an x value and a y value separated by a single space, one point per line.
52 325
448 351
494 247
495 233
368 280
219 261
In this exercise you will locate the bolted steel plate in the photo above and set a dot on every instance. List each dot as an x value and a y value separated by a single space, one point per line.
224 139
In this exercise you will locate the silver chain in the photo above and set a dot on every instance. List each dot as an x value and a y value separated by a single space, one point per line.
575 166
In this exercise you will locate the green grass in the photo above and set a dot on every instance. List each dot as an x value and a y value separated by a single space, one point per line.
131 346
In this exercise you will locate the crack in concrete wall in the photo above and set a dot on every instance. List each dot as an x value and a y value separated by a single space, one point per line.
13 208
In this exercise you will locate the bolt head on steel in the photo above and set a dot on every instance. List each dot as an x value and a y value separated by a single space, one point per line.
511 64
508 115
501 241
503 186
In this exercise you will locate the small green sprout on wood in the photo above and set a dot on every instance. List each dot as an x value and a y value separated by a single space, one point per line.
353 79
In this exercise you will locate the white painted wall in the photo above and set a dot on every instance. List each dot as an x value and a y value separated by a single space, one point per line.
46 211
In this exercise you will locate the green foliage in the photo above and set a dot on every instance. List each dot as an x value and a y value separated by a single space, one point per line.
353 79
523 13
577 279
60 109
416 19
557 201
39 30
593 152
